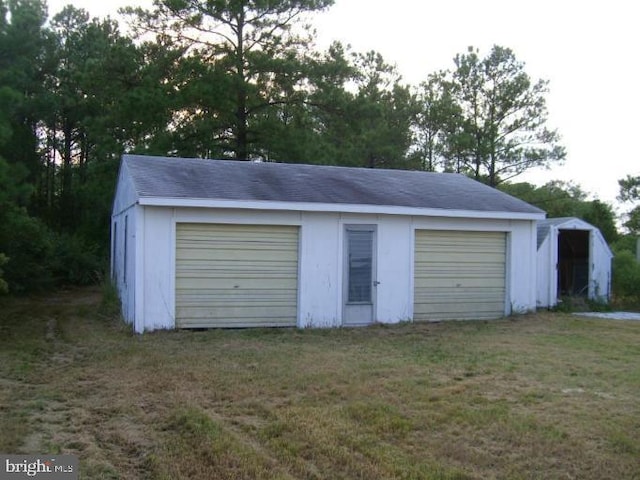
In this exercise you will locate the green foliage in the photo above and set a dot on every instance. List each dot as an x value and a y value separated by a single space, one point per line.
74 262
558 199
362 111
625 242
599 306
435 121
562 199
27 243
602 216
626 275
110 303
496 128
629 188
39 259
569 304
630 193
4 287
249 62
14 187
632 223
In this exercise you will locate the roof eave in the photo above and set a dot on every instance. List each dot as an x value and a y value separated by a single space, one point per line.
123 173
334 207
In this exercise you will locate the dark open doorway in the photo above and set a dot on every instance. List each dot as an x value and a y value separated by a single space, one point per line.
573 262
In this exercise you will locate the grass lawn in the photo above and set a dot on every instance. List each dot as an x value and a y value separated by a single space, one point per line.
544 396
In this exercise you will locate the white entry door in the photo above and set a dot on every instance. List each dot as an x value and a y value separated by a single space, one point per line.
359 275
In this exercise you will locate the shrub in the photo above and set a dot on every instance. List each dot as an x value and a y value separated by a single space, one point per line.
34 258
626 276
27 243
74 261
4 288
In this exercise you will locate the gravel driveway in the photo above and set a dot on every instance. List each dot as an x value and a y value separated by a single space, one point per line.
611 315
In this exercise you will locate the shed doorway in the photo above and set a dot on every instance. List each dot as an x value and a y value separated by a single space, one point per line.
573 262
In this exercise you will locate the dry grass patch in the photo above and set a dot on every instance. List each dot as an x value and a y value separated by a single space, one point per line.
540 396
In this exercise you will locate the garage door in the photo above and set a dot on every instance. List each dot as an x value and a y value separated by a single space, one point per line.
236 275
459 275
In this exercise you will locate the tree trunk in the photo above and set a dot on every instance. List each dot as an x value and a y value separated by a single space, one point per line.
241 140
493 181
66 202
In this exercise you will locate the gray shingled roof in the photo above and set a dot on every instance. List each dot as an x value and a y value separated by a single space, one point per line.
184 178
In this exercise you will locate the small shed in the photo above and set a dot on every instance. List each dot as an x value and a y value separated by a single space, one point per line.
573 260
213 243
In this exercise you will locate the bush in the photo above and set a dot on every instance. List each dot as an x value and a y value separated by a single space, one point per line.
626 242
4 288
626 276
74 262
36 258
27 243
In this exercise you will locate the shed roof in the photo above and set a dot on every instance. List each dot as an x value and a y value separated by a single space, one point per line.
573 223
188 178
545 225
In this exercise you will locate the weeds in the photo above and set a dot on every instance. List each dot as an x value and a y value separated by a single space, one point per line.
110 303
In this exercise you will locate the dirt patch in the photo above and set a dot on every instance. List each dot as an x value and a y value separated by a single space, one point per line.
73 296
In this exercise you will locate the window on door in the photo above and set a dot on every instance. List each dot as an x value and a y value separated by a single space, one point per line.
360 265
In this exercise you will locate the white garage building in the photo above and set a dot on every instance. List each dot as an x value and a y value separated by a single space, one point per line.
211 243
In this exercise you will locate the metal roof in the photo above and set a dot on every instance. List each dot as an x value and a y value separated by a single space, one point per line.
544 226
188 178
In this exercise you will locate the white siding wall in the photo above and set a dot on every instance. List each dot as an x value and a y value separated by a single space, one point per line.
320 289
156 303
321 263
521 261
124 262
546 266
600 286
125 212
125 196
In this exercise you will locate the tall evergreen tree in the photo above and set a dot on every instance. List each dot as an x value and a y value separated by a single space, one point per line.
630 193
250 51
24 240
363 112
497 129
435 119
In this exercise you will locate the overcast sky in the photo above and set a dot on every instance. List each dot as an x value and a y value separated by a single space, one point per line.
588 50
